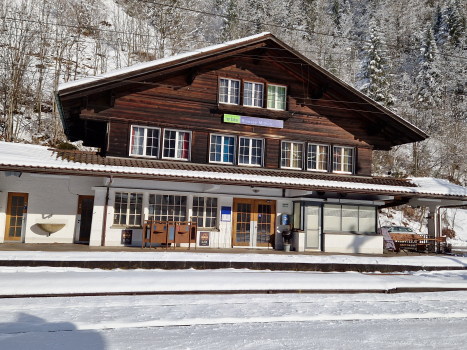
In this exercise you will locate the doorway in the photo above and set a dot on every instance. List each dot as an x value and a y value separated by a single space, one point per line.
254 222
85 209
313 227
17 208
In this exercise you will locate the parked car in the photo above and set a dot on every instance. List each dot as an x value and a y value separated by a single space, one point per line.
401 229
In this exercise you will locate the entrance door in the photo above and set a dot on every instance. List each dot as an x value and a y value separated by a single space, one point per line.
16 216
313 227
85 209
254 222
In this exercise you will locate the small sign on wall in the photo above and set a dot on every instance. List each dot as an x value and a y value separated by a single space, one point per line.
204 239
226 214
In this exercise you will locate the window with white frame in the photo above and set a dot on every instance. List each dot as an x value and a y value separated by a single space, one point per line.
177 144
205 211
144 141
292 155
276 97
343 159
167 207
349 218
253 94
222 149
250 151
318 156
128 208
229 91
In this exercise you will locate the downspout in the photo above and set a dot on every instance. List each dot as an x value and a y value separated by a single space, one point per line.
104 229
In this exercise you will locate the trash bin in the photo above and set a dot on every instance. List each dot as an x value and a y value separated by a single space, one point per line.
287 236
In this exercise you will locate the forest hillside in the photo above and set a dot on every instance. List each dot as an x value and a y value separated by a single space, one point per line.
409 55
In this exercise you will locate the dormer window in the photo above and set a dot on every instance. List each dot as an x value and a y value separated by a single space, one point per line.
253 94
276 97
144 141
229 91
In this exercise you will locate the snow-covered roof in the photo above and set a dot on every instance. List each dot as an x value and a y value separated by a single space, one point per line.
36 158
155 63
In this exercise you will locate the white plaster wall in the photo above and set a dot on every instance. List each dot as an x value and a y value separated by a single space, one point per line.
351 243
52 199
221 238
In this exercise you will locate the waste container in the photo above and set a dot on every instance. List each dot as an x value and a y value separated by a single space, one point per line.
287 237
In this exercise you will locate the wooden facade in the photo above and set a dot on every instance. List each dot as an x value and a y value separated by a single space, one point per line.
185 96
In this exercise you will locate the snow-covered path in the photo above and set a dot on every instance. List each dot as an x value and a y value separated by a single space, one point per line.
60 280
362 321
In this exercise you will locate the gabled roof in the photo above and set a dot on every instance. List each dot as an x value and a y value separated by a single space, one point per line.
380 116
40 159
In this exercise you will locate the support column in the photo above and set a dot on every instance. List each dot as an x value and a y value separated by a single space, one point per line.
432 226
97 217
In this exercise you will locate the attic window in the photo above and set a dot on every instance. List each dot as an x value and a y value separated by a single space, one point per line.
276 97
253 94
229 91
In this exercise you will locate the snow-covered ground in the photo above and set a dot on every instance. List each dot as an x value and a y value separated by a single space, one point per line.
158 255
336 321
50 280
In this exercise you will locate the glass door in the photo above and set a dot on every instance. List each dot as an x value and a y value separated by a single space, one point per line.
254 222
313 227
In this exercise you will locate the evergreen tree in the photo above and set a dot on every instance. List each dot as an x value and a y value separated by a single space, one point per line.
455 22
375 69
428 80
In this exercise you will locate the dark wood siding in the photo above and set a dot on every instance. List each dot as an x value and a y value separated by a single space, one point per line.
180 102
364 159
118 139
272 153
200 147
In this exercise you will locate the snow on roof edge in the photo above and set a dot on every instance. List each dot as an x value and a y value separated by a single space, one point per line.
155 63
24 155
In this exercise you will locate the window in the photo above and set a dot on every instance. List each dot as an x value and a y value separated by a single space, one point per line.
222 149
229 91
250 151
253 94
292 155
343 160
167 207
144 141
177 144
317 157
128 208
276 97
349 218
205 211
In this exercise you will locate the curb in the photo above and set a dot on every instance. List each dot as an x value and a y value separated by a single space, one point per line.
214 265
232 292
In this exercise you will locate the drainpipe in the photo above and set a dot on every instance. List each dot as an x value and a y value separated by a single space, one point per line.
104 229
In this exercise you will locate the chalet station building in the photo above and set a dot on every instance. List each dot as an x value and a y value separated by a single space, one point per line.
247 138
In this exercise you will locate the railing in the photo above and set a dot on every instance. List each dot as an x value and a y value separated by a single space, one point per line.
418 242
169 232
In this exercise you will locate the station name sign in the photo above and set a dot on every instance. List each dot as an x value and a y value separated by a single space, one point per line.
240 119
